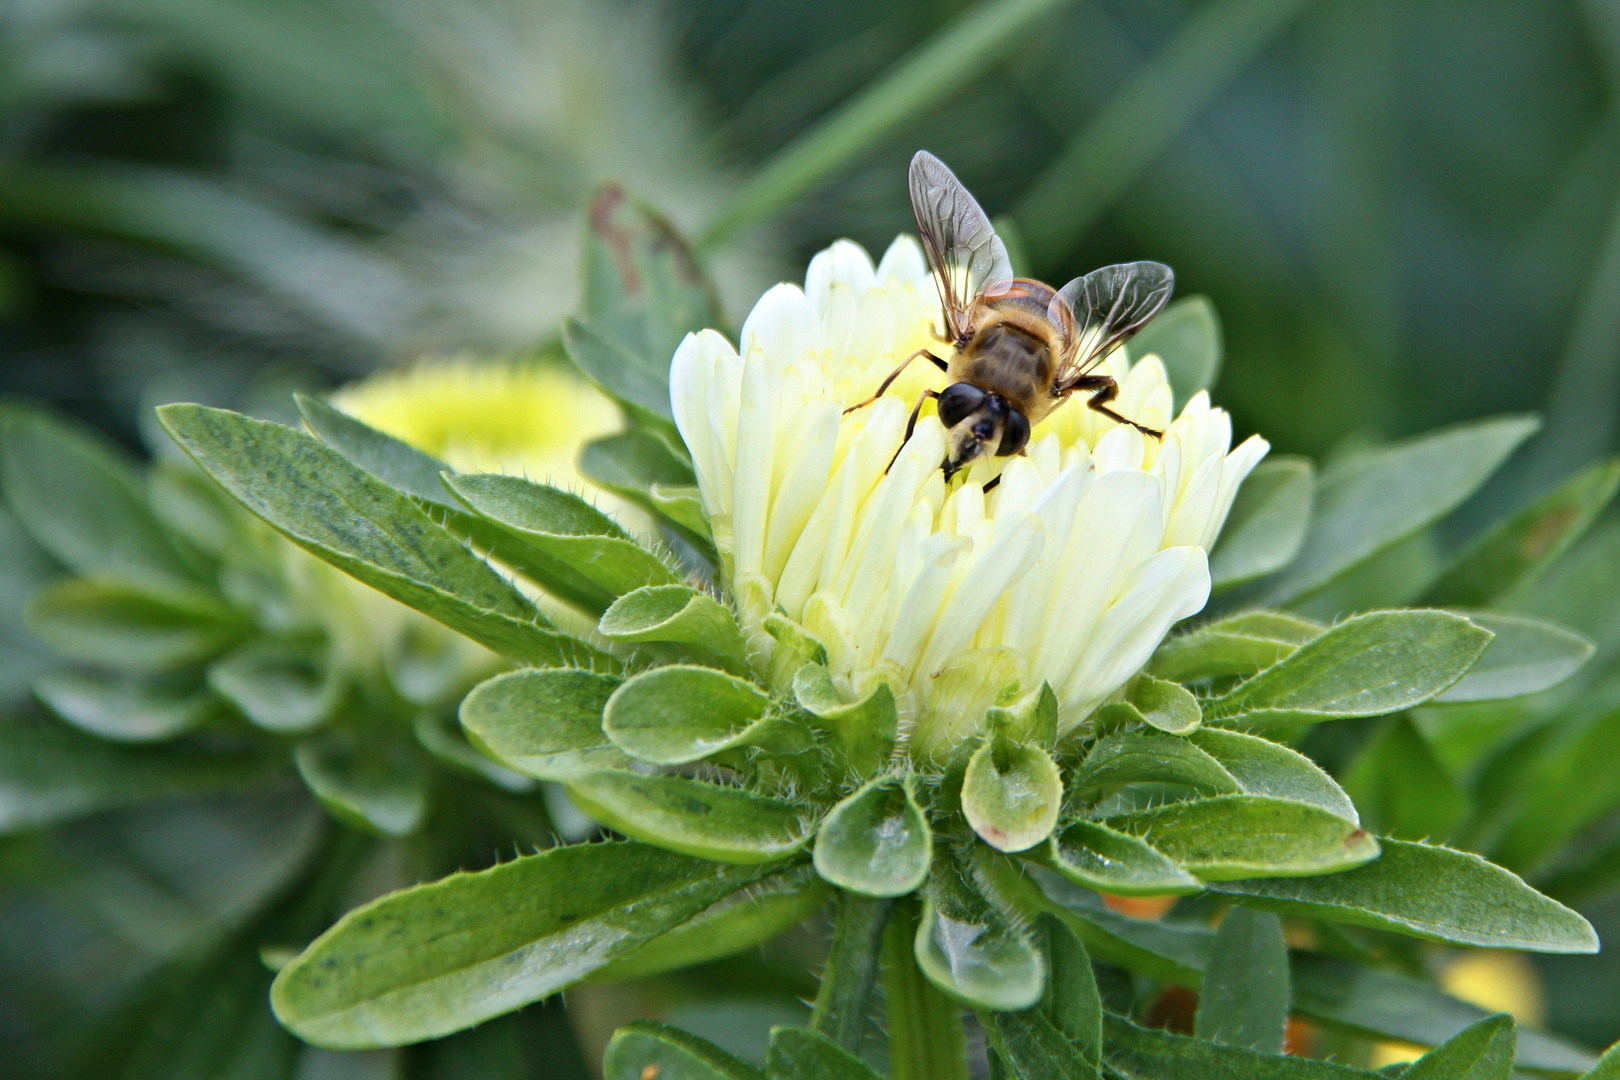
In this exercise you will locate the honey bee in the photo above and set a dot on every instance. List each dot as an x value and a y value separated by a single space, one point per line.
1019 348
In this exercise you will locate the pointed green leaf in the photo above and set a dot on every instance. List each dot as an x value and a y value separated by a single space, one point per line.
1147 757
1011 794
1481 1051
122 708
1032 718
1370 501
863 730
437 958
1240 645
1186 337
1267 522
679 615
366 778
1432 893
544 722
797 1054
1168 706
648 1050
971 949
127 628
725 824
1091 854
1517 550
282 686
1071 1000
340 513
641 467
1262 767
1244 836
1158 1055
679 714
1608 1068
1525 657
388 459
1373 664
1034 1049
876 842
1243 1000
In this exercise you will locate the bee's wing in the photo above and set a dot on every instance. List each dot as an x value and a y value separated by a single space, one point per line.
964 251
1110 305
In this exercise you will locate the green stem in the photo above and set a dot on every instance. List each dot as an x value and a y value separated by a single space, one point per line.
926 1038
843 1004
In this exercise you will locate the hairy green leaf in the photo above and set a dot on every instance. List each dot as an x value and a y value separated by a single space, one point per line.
544 722
863 730
1244 836
797 1054
1262 767
876 841
647 1049
1243 1000
1267 522
390 460
1481 1051
1172 952
1147 757
1091 854
1139 1054
1034 1049
726 824
1239 645
970 948
1167 706
679 714
1071 1000
1011 794
679 615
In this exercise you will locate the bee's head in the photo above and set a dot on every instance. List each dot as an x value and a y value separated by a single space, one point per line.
978 422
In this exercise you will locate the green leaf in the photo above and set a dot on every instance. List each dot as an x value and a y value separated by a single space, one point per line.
876 841
1370 665
1243 836
1147 757
747 918
1091 854
390 460
190 505
1608 1068
1071 1000
680 615
1370 501
630 378
1384 1004
1243 1000
1034 1049
970 948
340 513
1011 794
679 714
864 731
366 778
1239 645
1171 952
561 540
1032 718
1186 336
1168 706
641 467
1428 892
1402 787
648 1050
1567 786
1481 1051
432 959
1140 1054
50 772
124 709
86 505
544 722
797 1054
126 628
1266 525
442 737
282 686
1262 767
1518 549
1525 657
726 824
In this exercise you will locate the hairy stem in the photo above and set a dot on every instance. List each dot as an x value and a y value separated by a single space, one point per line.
843 1004
926 1039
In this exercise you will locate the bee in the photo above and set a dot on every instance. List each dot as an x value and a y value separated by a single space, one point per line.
1018 348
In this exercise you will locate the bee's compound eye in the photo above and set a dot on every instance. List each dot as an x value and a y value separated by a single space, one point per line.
1015 435
956 401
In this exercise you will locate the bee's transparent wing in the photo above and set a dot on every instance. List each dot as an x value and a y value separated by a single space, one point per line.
964 251
1110 305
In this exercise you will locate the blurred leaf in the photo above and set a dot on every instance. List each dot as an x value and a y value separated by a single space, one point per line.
1370 501
1262 767
1157 1055
1011 794
122 708
192 506
1244 998
418 963
283 686
725 824
366 778
864 730
637 382
443 738
1093 855
972 950
1518 549
1187 337
876 841
338 512
797 1054
647 1048
680 615
1238 645
1267 522
545 723
1402 788
1172 952
1482 1051
1370 665
1245 836
130 629
1428 892
86 505
1526 656
1582 592
1569 785
679 714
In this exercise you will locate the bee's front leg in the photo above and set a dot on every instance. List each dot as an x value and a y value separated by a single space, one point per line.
1104 389
911 426
895 374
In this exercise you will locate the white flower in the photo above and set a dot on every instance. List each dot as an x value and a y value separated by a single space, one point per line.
1070 571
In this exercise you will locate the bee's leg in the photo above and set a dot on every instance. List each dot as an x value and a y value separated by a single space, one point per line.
1104 389
990 484
895 374
911 425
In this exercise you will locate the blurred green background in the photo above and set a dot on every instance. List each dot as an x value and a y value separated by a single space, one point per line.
1406 211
